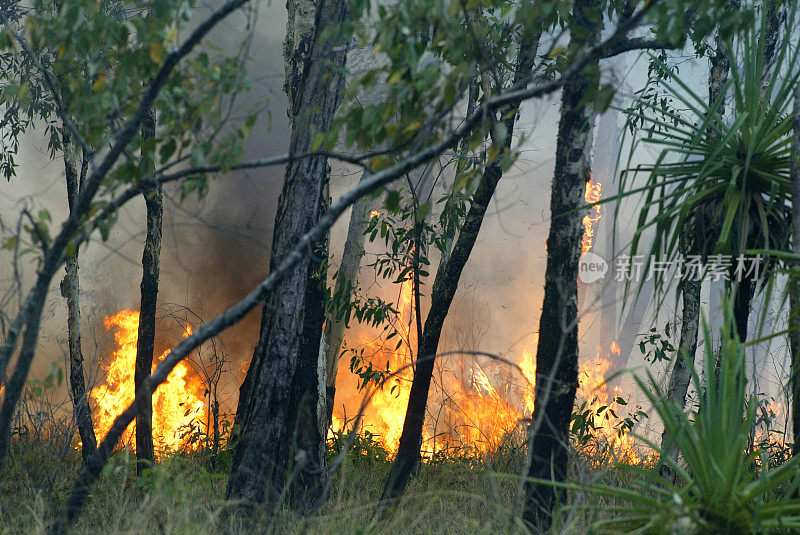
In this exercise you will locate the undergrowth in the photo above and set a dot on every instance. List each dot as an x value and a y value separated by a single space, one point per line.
185 493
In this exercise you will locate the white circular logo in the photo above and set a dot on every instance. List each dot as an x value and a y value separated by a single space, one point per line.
592 268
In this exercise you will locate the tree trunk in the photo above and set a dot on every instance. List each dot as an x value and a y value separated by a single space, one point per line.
690 290
772 20
683 361
794 284
557 352
444 288
744 291
279 442
154 202
720 66
70 289
348 273
630 329
743 294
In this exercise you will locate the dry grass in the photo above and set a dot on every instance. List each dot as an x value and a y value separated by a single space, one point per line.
182 495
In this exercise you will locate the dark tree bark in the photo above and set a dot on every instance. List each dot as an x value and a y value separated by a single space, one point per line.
444 288
794 284
279 441
773 16
154 202
70 289
720 66
557 352
746 288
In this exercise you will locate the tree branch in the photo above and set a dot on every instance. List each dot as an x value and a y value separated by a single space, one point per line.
637 43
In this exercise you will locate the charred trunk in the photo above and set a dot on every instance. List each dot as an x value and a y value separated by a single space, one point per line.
444 288
743 293
279 441
557 352
70 289
154 203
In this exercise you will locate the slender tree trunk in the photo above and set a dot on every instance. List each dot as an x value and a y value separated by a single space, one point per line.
743 294
720 66
772 20
70 289
279 442
691 289
683 361
626 331
557 352
347 274
794 284
444 288
154 202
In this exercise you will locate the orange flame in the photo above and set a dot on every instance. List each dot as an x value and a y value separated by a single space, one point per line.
593 388
472 412
528 367
593 191
385 412
481 380
178 404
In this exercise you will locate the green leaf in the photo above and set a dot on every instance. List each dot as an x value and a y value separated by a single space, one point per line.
166 150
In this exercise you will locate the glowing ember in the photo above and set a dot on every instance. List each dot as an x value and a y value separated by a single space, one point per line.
178 404
593 190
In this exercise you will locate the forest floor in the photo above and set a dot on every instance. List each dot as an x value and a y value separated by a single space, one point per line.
185 493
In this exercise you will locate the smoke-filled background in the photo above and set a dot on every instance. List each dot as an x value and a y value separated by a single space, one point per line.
216 249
